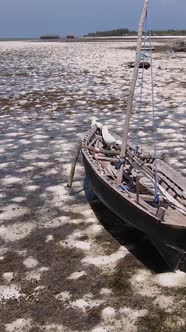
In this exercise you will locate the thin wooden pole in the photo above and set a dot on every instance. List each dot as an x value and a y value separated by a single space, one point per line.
134 79
73 166
137 188
132 87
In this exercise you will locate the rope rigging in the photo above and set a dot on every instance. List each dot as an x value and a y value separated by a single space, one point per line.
141 89
148 35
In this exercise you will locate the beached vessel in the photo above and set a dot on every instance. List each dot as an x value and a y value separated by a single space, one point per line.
138 187
50 37
142 64
180 46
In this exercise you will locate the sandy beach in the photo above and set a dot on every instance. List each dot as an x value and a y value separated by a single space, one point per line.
66 263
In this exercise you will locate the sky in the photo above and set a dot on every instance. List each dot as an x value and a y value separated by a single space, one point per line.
32 18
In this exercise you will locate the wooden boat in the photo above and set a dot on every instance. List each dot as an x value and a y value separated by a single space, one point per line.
142 64
142 190
180 46
148 48
163 222
50 37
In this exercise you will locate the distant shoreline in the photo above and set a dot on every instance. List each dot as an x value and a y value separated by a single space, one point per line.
91 39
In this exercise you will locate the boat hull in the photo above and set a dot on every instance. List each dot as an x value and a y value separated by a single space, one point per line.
170 241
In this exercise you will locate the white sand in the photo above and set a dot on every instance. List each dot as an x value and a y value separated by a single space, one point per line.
35 275
177 279
63 296
106 260
21 325
86 302
30 262
76 275
11 291
8 277
13 211
16 231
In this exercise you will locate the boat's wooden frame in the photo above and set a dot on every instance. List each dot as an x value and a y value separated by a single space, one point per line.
167 234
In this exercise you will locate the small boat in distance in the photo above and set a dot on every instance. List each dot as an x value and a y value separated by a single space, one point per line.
142 64
138 187
180 46
50 37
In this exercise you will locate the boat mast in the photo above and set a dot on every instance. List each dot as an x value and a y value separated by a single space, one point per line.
134 79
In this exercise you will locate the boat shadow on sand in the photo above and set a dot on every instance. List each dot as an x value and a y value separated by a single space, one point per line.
135 241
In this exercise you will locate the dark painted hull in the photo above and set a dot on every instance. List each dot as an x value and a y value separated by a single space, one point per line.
170 241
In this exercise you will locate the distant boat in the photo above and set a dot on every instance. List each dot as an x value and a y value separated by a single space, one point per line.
142 64
70 37
49 37
146 48
180 46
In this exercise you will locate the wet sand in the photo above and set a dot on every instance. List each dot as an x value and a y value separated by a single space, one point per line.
66 263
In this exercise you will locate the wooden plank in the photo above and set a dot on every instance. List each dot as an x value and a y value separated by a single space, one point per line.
172 174
170 185
111 159
100 150
161 213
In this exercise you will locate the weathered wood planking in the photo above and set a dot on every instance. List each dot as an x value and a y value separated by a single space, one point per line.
173 176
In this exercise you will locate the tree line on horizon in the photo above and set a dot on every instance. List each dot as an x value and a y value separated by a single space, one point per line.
127 32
